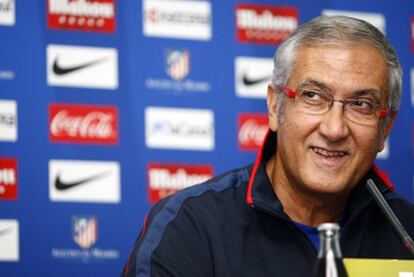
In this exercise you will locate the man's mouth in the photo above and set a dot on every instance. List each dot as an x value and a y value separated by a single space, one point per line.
329 154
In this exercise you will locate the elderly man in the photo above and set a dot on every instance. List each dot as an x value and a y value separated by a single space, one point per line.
332 103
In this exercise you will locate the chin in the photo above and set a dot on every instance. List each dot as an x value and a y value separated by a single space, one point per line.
329 186
331 191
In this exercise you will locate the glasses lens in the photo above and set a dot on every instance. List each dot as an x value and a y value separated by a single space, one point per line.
362 111
313 102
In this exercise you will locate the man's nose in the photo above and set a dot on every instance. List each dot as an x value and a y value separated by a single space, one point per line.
334 125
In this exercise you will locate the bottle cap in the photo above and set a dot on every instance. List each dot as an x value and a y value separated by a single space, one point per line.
328 226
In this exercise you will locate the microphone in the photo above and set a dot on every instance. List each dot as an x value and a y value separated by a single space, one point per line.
390 215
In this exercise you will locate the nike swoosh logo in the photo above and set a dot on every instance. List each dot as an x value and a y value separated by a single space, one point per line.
60 185
5 231
59 70
250 81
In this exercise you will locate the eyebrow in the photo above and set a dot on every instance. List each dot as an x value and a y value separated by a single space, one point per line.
372 92
308 82
363 92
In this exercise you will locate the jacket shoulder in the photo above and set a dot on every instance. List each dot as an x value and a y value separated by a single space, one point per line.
180 216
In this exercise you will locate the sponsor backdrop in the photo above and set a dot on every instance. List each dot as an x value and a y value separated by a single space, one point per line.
106 106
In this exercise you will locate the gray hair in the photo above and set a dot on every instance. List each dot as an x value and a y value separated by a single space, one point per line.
339 30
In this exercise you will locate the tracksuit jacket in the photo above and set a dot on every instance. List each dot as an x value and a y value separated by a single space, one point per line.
234 225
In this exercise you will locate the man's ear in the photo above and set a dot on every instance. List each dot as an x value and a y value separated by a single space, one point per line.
387 131
271 107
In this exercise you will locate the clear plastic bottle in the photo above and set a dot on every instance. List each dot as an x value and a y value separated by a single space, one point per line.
329 263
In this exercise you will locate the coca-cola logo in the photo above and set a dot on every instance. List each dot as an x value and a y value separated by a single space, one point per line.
86 15
93 125
83 124
252 130
8 179
166 179
265 24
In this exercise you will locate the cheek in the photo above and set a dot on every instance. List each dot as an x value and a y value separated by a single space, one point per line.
295 129
367 141
300 125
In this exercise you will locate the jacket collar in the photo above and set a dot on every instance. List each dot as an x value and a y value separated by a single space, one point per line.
260 192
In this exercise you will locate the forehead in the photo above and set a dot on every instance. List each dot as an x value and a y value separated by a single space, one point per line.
342 68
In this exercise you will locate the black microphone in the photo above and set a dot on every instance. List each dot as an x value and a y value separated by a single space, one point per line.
390 215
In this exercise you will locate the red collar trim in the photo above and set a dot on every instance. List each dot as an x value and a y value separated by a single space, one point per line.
383 177
249 197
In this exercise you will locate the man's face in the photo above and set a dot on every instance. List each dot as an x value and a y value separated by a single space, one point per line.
327 153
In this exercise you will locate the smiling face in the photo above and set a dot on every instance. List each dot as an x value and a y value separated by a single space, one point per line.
328 154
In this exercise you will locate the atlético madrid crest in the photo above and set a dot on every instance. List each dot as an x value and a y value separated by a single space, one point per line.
177 63
84 230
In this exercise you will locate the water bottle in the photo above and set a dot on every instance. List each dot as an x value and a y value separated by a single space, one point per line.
329 263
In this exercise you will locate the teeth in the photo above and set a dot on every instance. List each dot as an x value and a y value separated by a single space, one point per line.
329 153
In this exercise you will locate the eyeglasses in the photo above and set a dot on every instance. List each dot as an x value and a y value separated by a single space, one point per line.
364 109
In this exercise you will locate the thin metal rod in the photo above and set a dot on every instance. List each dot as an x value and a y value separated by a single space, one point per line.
392 218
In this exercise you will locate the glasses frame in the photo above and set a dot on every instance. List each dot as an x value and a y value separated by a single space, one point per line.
291 93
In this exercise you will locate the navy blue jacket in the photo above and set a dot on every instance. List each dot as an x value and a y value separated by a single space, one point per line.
234 225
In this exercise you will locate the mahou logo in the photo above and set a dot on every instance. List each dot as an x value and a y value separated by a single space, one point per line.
8 179
265 24
252 130
166 179
83 124
82 15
